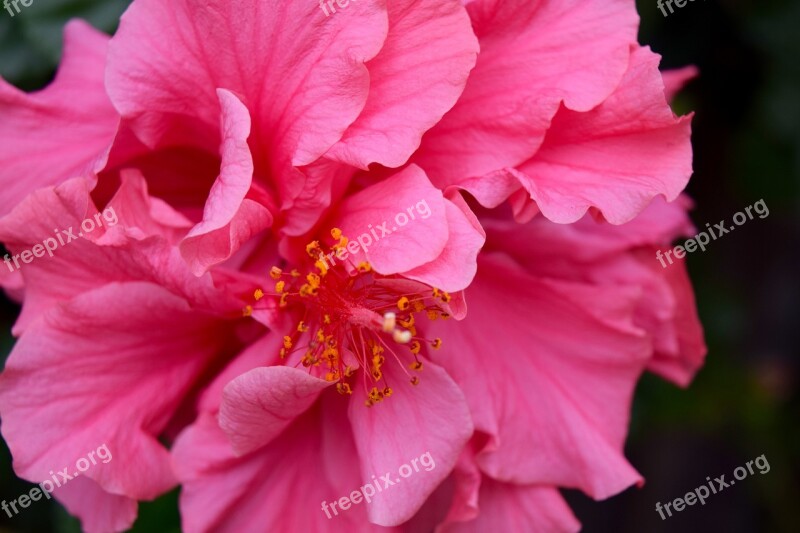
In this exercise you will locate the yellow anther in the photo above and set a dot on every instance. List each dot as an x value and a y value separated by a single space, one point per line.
313 248
436 344
275 273
331 376
287 342
331 354
445 297
326 319
295 273
247 311
349 371
407 323
284 298
436 292
302 327
258 294
283 353
322 266
377 374
445 316
415 346
313 280
320 335
280 286
432 314
387 392
343 388
364 266
376 395
336 233
415 381
403 303
416 365
418 306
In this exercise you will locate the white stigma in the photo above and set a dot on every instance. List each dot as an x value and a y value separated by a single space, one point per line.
389 322
401 337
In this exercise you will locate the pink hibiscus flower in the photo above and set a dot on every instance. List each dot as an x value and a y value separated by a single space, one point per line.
233 146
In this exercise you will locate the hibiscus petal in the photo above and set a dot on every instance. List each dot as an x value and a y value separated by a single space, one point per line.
301 75
258 405
676 79
62 131
518 509
548 369
431 418
615 158
622 256
104 255
313 458
229 220
534 55
414 80
75 371
98 511
454 269
133 204
372 217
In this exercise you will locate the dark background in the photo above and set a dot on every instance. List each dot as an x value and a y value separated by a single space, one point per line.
745 402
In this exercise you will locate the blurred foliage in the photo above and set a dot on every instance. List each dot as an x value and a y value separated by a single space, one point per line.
30 41
745 401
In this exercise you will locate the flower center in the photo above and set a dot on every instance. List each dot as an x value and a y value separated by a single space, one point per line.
351 320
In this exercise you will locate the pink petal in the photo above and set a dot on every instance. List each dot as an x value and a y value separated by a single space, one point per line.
680 362
615 158
560 386
98 511
62 131
431 418
259 405
396 247
417 76
229 220
534 56
301 75
455 267
102 369
623 256
321 180
518 509
676 79
133 204
313 458
105 255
